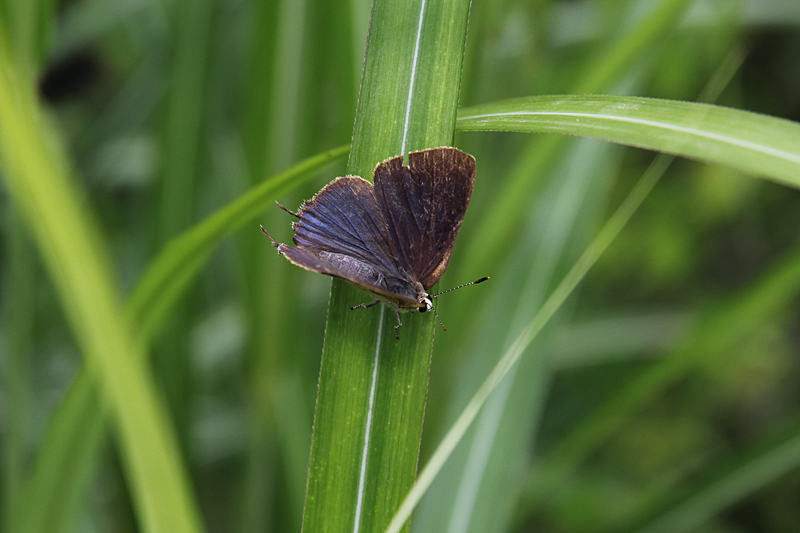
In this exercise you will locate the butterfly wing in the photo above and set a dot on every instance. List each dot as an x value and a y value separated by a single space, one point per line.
341 232
424 205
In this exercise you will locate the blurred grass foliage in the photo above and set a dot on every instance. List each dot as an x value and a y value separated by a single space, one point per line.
662 396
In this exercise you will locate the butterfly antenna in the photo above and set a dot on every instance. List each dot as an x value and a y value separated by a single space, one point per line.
459 287
439 319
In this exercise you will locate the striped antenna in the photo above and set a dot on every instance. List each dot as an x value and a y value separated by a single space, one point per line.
459 287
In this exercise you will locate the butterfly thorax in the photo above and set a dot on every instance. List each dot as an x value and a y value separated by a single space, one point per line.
400 292
410 295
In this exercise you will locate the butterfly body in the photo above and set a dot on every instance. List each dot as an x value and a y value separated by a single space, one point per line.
392 239
403 293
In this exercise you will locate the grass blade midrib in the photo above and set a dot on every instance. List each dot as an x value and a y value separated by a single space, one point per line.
397 112
749 142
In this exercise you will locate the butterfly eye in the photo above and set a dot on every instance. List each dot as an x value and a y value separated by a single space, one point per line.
428 305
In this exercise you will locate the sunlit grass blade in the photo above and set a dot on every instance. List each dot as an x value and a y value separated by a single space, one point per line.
755 144
75 433
750 472
517 348
38 180
359 469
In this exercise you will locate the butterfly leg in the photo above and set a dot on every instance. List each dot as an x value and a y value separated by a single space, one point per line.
290 212
376 302
399 324
275 244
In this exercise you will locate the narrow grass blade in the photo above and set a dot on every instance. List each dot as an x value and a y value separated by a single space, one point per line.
56 488
492 479
177 264
182 136
261 282
372 388
29 26
755 144
517 348
67 238
278 102
474 492
731 483
75 432
715 332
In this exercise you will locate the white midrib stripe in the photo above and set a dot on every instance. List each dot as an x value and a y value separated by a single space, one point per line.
365 452
413 79
673 127
368 430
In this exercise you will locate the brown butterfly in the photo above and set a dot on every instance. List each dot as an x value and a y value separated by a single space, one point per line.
393 239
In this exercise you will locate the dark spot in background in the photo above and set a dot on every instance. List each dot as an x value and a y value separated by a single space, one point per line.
69 78
770 75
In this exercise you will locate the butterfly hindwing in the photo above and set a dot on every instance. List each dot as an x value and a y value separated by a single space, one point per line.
424 205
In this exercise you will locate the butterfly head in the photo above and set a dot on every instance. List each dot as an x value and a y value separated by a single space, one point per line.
426 304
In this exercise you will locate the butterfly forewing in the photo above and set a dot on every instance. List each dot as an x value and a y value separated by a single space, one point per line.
344 218
424 205
342 233
393 239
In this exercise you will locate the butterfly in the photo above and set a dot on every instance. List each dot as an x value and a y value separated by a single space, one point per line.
393 239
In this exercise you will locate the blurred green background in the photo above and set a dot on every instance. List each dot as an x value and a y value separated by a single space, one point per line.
668 382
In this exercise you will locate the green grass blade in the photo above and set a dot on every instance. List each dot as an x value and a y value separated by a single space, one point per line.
181 152
603 69
473 492
517 348
750 472
75 433
718 330
29 26
38 181
54 492
177 264
755 144
272 145
488 477
372 388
